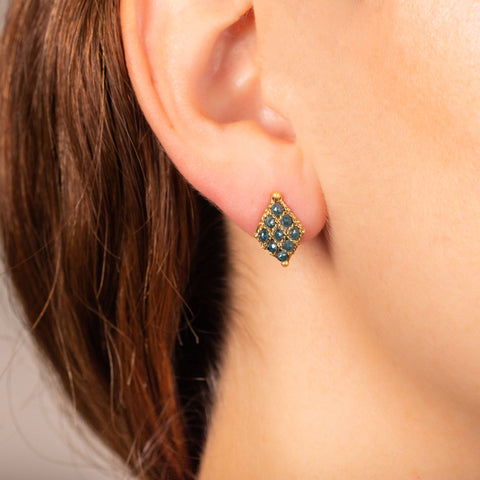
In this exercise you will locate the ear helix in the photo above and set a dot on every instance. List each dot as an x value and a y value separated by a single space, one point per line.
279 230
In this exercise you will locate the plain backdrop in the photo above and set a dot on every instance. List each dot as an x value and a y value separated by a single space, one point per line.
37 440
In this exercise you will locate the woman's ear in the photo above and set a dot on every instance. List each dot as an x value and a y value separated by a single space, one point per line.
196 70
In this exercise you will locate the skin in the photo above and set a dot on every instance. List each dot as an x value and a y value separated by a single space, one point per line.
360 360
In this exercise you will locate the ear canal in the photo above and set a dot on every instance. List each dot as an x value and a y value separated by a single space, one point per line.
230 90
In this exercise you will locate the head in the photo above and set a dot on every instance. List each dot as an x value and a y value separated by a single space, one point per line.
125 116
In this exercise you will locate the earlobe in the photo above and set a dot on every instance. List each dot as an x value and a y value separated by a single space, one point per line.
196 70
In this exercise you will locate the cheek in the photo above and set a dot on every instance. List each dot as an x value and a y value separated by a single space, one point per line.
411 248
385 99
411 265
408 223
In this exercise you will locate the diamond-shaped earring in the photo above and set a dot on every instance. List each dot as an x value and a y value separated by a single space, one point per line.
279 231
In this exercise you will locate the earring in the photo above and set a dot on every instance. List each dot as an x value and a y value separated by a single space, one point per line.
279 231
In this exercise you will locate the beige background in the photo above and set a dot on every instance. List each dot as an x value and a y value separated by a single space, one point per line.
37 442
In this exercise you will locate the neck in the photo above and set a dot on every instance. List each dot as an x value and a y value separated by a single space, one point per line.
306 391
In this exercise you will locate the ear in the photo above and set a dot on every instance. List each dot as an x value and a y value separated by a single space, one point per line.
196 71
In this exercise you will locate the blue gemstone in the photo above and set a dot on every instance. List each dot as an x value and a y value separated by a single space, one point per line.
294 233
264 235
270 221
288 245
272 247
282 256
279 234
287 221
277 209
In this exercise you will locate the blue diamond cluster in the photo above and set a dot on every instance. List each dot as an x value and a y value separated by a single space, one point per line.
279 231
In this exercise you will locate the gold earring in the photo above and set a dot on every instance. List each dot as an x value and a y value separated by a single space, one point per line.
279 231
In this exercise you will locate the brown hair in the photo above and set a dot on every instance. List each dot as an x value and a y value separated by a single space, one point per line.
112 254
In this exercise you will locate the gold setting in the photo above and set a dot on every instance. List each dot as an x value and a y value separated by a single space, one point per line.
288 231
